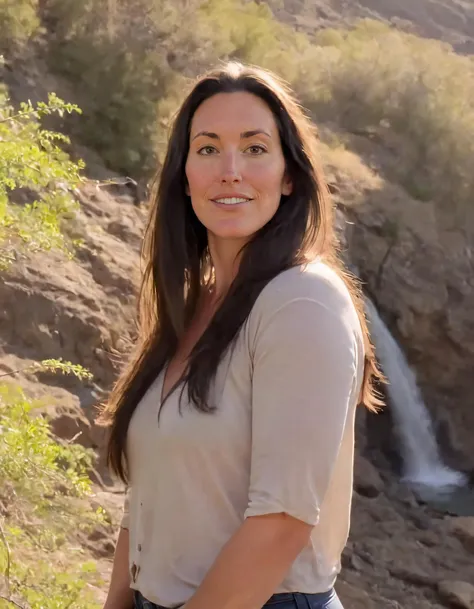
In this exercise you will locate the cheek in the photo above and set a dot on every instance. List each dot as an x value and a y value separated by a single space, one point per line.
192 176
196 188
267 179
200 176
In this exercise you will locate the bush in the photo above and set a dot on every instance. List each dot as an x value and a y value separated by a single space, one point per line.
18 23
248 32
113 55
42 484
418 88
31 159
131 60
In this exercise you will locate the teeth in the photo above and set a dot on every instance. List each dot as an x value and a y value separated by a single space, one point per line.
231 200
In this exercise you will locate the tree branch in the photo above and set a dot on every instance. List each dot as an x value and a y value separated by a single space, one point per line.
9 600
19 115
7 568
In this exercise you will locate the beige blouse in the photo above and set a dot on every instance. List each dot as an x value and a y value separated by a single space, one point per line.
282 440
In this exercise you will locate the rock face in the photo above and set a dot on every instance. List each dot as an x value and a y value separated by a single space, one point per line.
81 310
417 264
448 20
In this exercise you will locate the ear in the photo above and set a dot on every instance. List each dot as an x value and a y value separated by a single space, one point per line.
287 185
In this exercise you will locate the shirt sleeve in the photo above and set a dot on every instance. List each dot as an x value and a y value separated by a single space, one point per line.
304 376
125 522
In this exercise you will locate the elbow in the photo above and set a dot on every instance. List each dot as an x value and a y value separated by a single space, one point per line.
283 532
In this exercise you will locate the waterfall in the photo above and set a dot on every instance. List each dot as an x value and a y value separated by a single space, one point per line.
422 462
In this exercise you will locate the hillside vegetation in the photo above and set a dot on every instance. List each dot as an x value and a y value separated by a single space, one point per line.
130 60
43 483
45 511
32 162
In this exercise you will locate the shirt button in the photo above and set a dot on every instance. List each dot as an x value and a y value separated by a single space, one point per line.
139 547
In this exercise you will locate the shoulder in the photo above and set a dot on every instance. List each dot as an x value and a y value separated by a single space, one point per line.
311 299
316 282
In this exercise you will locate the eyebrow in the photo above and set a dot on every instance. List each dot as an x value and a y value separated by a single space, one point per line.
244 135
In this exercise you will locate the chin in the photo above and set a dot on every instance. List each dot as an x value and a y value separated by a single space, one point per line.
235 232
233 236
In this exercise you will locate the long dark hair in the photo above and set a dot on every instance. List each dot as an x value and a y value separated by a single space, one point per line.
177 260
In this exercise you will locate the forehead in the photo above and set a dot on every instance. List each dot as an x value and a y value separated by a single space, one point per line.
227 112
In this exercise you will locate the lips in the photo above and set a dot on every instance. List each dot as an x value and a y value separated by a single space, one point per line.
231 199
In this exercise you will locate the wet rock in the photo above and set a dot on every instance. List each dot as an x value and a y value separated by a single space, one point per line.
402 494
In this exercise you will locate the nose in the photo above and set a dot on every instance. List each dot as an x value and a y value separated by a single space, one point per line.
231 171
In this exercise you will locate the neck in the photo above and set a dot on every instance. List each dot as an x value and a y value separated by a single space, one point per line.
226 255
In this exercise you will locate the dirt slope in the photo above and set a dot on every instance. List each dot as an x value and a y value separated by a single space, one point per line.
449 20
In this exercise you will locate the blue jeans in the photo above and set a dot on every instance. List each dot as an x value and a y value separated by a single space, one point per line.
283 600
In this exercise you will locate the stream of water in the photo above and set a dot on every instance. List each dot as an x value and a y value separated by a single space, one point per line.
422 463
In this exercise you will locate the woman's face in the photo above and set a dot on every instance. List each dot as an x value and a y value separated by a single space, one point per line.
235 167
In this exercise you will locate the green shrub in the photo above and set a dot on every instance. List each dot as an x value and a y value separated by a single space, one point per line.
34 468
131 60
111 51
18 23
417 88
43 487
248 32
31 158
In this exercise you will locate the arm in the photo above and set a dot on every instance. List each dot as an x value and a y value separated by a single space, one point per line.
303 382
252 564
120 595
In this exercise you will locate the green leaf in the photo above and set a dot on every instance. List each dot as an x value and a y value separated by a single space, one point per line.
30 157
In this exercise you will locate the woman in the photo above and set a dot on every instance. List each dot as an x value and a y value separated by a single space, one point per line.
234 423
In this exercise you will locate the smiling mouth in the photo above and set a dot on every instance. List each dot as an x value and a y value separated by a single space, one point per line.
231 200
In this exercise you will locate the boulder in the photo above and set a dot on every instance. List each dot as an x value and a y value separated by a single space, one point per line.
367 480
463 528
459 593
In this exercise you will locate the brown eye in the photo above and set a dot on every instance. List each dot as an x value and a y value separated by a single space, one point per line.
256 149
206 150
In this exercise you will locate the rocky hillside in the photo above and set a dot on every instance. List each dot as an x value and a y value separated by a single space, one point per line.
81 310
416 260
418 268
448 20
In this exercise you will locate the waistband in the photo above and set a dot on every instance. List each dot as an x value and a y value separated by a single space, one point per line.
280 597
300 599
